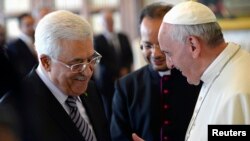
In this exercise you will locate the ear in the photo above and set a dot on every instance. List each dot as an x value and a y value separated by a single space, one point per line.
46 62
194 46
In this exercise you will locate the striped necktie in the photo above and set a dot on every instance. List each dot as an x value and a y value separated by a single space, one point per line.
80 123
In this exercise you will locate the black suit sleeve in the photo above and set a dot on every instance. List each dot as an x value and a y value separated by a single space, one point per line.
120 130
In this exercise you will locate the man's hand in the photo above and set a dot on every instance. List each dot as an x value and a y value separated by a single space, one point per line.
136 138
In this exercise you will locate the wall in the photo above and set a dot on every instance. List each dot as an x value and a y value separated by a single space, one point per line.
238 36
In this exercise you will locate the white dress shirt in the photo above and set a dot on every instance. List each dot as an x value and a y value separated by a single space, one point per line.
61 97
29 42
113 40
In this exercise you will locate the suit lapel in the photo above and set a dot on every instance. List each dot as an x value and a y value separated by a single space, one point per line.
55 110
59 115
93 105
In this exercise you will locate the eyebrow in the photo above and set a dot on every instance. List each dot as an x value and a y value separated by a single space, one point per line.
80 60
146 42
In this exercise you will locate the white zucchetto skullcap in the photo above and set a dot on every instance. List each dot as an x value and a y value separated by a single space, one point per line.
189 13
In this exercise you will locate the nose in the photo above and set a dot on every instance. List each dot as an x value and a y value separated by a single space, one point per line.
88 71
169 62
156 51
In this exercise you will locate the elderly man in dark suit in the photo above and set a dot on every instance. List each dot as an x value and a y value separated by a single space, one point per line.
57 101
117 58
154 102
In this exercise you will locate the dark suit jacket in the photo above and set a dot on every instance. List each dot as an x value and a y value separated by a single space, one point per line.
21 57
136 106
8 76
110 65
44 119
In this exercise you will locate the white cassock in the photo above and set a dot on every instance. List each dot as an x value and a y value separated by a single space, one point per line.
225 95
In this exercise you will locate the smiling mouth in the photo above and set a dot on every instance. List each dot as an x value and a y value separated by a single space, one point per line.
158 62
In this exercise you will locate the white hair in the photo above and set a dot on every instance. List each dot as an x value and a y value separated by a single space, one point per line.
57 26
210 32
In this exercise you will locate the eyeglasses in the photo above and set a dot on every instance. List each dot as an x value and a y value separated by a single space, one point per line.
80 67
148 46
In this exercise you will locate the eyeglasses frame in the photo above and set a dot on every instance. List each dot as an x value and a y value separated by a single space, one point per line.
96 57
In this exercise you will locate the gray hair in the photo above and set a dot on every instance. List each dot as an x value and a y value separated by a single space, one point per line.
57 26
210 32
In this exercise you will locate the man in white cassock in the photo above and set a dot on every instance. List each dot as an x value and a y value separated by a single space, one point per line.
193 43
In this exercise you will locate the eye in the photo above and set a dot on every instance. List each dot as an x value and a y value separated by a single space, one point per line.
168 54
146 46
77 67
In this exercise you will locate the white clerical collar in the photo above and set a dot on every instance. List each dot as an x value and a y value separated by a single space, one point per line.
162 73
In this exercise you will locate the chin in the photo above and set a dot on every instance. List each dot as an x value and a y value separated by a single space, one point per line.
193 82
79 91
160 68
